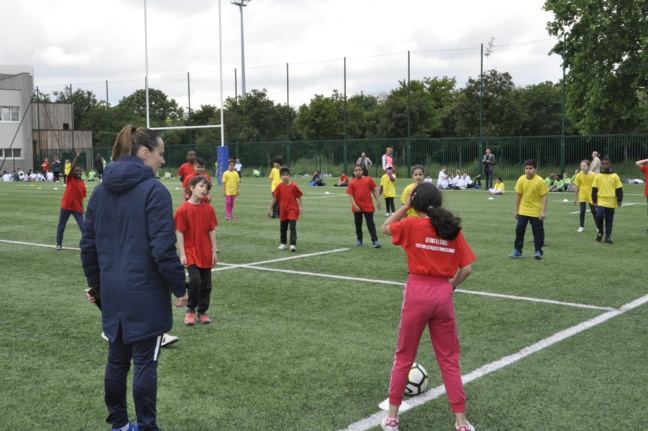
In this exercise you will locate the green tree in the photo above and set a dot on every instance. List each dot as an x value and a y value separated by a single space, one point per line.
360 122
83 102
541 106
322 118
161 109
429 101
502 114
255 119
604 46
106 125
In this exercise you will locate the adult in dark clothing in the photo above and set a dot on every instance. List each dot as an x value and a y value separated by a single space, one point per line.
128 248
56 168
488 161
99 167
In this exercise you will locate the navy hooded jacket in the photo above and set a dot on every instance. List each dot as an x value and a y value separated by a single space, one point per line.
128 246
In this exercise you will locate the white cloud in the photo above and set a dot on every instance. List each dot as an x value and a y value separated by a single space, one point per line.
89 43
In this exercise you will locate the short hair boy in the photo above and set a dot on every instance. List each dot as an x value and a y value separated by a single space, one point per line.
530 207
607 194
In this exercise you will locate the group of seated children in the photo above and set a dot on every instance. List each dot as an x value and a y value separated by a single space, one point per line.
559 182
458 182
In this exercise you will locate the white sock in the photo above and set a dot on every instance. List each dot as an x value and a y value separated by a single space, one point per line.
125 427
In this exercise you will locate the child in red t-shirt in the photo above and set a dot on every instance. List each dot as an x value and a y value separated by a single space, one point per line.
196 233
72 202
642 164
439 259
199 171
360 190
288 195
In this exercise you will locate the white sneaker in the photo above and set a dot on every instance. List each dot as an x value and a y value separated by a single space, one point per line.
293 248
464 427
168 339
392 425
581 229
103 335
281 247
387 214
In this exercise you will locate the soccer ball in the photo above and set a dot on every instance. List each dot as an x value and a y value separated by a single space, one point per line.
417 380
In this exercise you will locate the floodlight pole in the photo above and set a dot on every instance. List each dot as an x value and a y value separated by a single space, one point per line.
241 4
148 123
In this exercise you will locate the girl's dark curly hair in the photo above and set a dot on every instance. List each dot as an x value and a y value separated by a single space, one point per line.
427 198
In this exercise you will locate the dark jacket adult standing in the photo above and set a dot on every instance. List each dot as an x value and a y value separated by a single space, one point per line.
99 167
488 161
128 248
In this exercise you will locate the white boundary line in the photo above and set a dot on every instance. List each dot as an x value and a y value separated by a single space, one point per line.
253 265
374 420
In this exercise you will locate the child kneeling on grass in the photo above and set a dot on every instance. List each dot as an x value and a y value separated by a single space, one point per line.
439 259
196 234
288 195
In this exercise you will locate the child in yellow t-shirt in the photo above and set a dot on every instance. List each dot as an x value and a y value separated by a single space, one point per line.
607 195
275 180
499 188
418 175
388 190
583 192
231 188
530 207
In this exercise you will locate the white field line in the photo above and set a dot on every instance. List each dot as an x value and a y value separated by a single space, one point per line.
226 266
374 420
401 283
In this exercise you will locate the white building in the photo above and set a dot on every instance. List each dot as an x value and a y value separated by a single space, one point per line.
16 88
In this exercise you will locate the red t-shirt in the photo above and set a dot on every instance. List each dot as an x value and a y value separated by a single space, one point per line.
45 166
427 254
344 179
287 196
185 169
644 169
185 183
195 222
75 192
360 189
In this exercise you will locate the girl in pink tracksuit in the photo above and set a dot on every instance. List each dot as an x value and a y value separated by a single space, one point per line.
439 259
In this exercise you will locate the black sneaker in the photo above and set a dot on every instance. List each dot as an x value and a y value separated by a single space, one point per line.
59 247
599 236
608 240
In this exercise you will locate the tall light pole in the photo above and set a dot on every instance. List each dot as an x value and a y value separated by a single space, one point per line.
241 4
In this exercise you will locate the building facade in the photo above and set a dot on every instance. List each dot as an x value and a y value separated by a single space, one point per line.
16 88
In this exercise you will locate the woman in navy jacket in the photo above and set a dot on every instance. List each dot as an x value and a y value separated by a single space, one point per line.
128 248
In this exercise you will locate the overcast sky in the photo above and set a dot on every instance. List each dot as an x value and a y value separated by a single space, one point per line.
86 43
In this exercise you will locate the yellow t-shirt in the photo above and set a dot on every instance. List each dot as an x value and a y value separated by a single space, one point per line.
500 186
532 191
388 188
67 168
607 185
405 196
275 177
230 180
584 183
